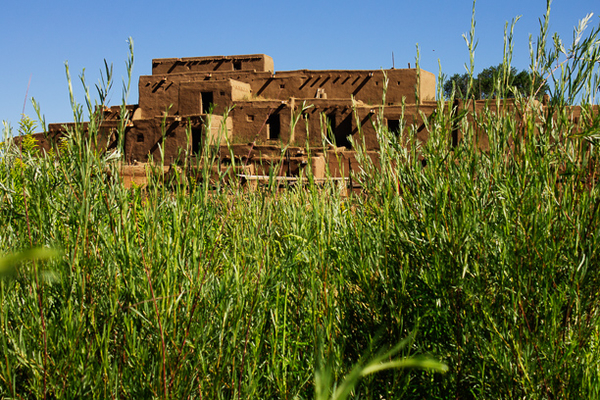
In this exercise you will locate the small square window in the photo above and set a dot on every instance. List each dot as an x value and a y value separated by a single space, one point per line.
250 118
282 86
393 126
140 137
237 65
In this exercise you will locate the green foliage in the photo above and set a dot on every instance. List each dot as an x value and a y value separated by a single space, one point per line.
27 128
9 263
487 82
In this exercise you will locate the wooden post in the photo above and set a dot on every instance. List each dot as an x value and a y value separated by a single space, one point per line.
350 174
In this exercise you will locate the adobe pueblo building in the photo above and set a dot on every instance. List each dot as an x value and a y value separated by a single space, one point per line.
255 105
262 102
240 106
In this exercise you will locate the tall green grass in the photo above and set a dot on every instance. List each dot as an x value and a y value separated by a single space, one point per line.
484 260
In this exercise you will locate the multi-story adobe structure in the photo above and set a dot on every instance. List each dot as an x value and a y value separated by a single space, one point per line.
188 103
244 99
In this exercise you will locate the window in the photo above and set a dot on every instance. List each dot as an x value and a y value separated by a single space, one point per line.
140 137
207 102
237 65
250 118
331 128
394 126
196 139
273 125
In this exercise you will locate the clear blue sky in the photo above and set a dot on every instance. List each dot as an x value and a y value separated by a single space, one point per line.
39 36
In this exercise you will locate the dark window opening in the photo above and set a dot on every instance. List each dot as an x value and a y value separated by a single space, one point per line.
344 131
339 130
140 137
196 139
237 65
207 102
331 128
394 126
274 127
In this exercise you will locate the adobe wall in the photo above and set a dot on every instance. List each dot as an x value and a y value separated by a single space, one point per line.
157 92
333 118
223 93
479 115
327 121
366 86
342 163
247 62
254 121
147 138
409 116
